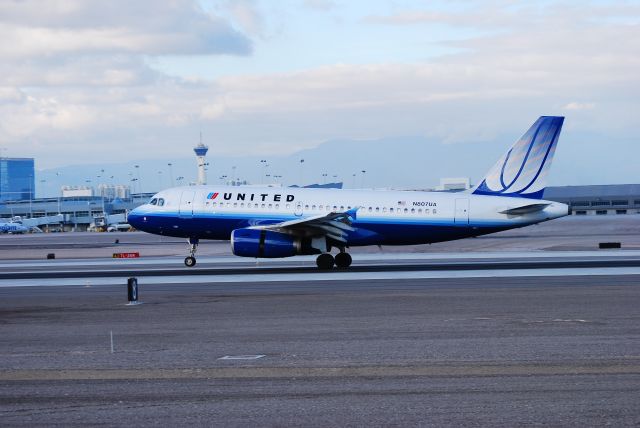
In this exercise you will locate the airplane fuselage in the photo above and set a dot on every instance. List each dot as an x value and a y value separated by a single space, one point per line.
13 228
381 217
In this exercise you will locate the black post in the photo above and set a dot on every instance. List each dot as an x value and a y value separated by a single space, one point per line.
132 290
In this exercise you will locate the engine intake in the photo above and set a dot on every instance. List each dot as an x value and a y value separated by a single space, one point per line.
263 244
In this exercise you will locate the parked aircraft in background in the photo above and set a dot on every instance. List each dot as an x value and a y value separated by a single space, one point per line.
283 222
13 227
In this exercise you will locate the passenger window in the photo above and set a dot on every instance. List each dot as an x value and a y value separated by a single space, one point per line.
426 210
370 209
241 204
277 206
256 205
377 209
313 207
263 205
420 210
434 210
341 208
384 209
413 210
288 206
270 206
335 207
406 210
306 207
235 205
228 204
390 210
215 204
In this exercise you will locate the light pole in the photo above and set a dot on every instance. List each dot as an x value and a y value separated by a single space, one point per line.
171 172
263 162
324 178
363 172
137 167
30 196
301 172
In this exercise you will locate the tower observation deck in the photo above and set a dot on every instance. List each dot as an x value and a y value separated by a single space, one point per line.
201 151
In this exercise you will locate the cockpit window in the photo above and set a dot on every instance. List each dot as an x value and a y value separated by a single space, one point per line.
160 202
153 201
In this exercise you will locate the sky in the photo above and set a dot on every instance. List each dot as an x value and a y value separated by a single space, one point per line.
85 82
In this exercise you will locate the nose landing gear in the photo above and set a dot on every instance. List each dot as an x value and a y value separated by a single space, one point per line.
190 260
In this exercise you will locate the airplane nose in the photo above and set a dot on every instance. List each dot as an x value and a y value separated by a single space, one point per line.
134 218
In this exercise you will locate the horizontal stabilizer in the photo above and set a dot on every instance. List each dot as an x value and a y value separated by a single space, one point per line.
525 209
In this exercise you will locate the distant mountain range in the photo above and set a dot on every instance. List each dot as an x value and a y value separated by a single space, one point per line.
404 162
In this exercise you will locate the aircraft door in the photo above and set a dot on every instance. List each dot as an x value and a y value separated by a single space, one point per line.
186 204
299 209
461 217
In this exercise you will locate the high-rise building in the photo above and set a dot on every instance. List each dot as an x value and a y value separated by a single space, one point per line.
113 191
17 179
76 191
201 152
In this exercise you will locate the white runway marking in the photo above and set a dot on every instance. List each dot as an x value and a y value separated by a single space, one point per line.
242 357
325 276
177 261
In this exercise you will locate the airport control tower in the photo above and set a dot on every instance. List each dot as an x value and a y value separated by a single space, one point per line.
201 152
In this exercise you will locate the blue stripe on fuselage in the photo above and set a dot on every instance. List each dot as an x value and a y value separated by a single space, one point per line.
368 231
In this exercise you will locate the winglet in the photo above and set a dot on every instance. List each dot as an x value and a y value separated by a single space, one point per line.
352 212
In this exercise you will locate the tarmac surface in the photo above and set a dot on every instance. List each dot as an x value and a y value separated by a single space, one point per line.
461 338
573 233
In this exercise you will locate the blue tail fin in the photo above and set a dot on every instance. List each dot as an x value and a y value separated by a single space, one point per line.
522 171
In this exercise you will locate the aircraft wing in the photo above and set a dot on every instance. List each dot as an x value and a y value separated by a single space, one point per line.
334 225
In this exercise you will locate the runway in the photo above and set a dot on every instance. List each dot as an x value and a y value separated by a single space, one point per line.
318 349
512 337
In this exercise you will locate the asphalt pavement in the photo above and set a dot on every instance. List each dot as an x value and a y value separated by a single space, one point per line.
490 351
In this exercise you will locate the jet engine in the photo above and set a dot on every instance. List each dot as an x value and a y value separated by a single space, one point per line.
264 244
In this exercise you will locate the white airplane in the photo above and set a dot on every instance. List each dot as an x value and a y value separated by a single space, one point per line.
283 222
13 227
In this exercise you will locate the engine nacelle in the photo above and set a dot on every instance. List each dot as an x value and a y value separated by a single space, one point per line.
263 243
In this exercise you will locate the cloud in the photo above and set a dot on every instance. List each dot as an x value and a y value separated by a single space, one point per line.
246 15
579 106
58 27
98 98
323 5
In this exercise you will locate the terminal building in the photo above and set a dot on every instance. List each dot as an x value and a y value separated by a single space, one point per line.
79 213
608 199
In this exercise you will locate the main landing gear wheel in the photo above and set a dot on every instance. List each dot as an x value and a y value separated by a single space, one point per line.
343 260
325 261
190 261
